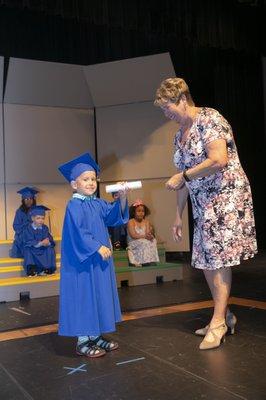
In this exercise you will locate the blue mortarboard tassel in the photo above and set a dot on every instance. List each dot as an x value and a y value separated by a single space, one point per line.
38 210
27 192
74 168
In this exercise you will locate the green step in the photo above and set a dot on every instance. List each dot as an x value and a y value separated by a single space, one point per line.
159 266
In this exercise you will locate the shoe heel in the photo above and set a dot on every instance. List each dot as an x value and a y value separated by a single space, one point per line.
232 330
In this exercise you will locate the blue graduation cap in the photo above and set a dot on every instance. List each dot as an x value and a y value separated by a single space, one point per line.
38 210
27 192
74 168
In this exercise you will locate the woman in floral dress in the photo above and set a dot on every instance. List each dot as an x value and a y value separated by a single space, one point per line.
209 171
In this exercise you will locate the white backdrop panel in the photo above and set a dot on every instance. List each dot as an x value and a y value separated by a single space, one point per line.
128 81
2 213
134 141
38 139
47 83
162 205
54 196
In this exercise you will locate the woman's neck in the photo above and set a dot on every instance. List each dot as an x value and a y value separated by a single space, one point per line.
192 113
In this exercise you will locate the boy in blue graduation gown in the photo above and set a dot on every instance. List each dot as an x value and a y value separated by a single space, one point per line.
38 244
89 304
22 219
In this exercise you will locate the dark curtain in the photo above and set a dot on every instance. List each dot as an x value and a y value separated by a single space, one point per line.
215 45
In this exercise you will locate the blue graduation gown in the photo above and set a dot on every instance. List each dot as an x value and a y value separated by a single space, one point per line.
89 303
21 221
42 257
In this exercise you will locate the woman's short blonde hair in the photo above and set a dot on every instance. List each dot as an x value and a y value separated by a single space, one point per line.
172 89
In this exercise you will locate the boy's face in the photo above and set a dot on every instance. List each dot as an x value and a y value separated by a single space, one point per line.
38 220
86 183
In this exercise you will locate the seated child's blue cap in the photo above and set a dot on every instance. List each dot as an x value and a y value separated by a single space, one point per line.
27 192
74 168
38 210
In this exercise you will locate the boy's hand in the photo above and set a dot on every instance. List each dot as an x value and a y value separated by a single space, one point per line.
105 252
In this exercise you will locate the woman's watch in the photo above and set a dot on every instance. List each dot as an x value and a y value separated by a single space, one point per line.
185 176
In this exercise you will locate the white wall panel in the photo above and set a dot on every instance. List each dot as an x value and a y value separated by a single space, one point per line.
134 141
38 139
128 81
162 204
47 83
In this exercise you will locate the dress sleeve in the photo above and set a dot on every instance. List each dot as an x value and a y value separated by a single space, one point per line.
213 127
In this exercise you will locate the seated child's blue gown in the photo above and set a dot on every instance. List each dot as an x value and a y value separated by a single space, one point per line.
43 257
21 221
89 303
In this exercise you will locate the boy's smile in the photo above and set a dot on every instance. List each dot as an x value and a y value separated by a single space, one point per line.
86 183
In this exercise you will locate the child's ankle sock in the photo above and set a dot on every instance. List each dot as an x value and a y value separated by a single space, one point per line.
82 339
93 337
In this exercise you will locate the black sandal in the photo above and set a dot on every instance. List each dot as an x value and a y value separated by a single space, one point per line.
89 349
103 343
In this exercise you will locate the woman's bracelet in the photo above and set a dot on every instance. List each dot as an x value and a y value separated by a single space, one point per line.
185 176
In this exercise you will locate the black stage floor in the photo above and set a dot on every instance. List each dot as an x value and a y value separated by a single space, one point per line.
158 357
249 280
160 360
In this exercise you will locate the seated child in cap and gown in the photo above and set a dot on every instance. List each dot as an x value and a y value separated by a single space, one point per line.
22 219
89 304
38 244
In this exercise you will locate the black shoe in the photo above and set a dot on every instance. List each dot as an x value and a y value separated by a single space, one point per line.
32 270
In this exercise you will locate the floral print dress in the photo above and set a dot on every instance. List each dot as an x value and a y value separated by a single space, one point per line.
142 251
224 228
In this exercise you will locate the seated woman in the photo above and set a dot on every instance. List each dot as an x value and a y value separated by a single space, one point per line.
142 245
38 245
22 219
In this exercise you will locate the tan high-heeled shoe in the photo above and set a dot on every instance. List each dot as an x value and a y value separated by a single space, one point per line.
230 321
214 337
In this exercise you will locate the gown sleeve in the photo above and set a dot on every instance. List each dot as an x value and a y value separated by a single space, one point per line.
29 239
19 222
77 239
113 215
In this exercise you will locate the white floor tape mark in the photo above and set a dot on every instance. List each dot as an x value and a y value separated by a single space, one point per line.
130 361
73 370
18 310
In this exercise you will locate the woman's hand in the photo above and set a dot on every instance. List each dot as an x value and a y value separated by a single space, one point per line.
177 230
105 252
175 182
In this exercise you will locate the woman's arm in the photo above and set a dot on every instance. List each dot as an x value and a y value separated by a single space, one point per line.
181 199
216 160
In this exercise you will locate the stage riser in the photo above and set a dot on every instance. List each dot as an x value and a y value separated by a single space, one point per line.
16 273
149 277
37 290
5 247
